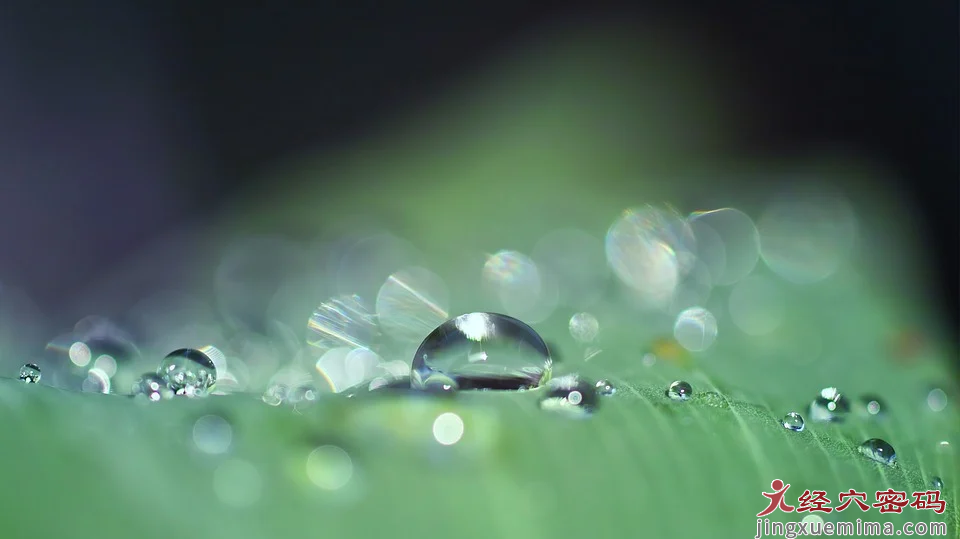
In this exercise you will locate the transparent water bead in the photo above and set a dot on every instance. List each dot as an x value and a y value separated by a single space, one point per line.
188 372
936 483
482 351
872 406
570 395
679 391
878 450
151 387
830 405
605 388
30 373
792 421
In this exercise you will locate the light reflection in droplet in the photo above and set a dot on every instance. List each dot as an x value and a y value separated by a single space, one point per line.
329 467
96 381
411 303
584 327
695 329
731 232
756 306
448 428
107 364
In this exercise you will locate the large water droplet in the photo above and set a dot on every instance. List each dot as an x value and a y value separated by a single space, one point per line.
188 372
679 391
483 351
830 405
570 395
792 421
152 388
878 450
605 388
30 373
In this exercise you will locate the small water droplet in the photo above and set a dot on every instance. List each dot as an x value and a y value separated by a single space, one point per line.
937 399
303 395
152 388
792 421
712 398
830 405
872 406
679 391
30 373
584 327
878 450
188 372
483 351
275 394
605 388
570 395
936 483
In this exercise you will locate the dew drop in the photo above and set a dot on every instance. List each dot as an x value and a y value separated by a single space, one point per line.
30 373
483 351
570 395
936 399
188 372
792 421
152 388
872 406
695 329
878 450
605 388
584 327
830 405
936 483
679 391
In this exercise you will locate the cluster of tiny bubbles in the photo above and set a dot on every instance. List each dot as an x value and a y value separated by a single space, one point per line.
695 329
570 395
584 328
574 259
937 399
878 450
520 287
756 305
343 321
829 405
212 434
30 373
605 388
679 391
188 372
807 232
483 351
410 303
936 483
792 421
151 387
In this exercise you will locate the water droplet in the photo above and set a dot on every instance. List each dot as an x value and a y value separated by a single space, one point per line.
936 483
872 406
584 327
695 329
188 372
275 394
936 399
483 351
152 388
605 388
304 394
570 395
641 249
679 391
30 373
830 405
97 381
792 421
878 450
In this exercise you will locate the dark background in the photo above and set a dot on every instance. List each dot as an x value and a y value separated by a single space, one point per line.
119 122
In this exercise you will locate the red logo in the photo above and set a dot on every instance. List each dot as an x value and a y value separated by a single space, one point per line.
776 498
